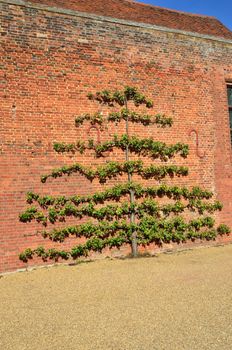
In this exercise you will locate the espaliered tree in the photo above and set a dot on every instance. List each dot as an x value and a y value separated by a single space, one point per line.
127 213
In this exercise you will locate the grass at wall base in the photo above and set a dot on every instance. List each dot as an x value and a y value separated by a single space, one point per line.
129 213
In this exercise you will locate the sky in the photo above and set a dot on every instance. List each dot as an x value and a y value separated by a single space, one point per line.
222 9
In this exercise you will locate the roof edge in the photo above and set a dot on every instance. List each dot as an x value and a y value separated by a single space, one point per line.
171 10
75 13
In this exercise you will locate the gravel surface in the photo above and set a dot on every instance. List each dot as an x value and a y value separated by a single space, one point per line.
176 301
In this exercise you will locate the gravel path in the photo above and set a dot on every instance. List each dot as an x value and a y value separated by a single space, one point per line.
171 302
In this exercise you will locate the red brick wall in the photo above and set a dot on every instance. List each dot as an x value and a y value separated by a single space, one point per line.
145 13
49 64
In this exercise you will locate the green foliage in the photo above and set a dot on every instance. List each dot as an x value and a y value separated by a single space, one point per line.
113 224
119 97
118 191
114 169
26 255
122 210
96 118
32 214
201 206
146 119
223 230
105 234
142 147
52 254
62 147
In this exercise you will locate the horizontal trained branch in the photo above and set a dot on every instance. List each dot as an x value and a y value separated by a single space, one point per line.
116 234
145 119
102 230
113 169
148 224
118 191
93 244
119 97
118 211
143 147
125 114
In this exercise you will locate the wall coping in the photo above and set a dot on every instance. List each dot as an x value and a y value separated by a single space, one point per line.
68 12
